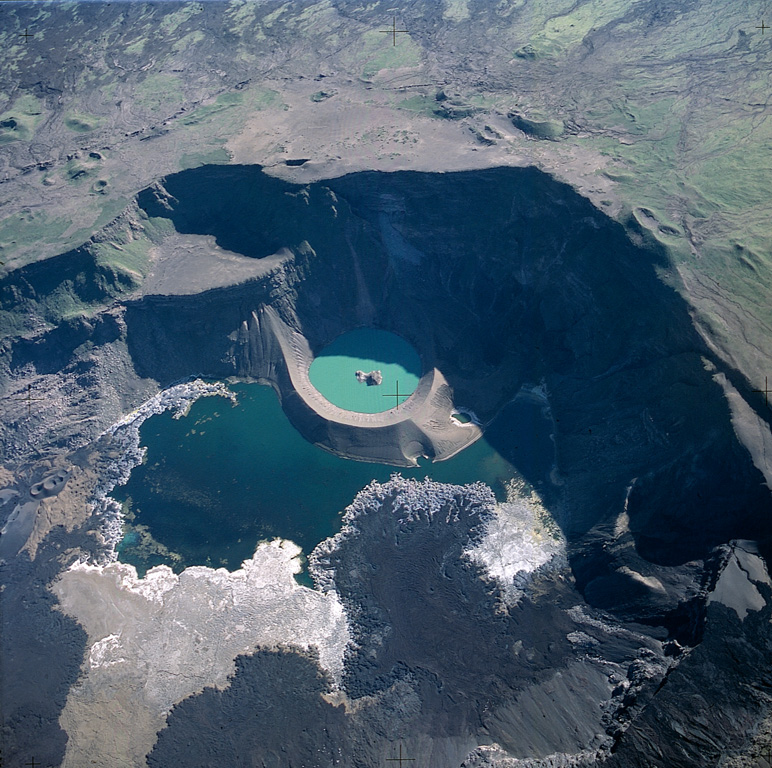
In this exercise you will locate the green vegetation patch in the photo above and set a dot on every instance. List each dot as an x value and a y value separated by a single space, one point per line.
110 209
316 17
420 104
737 179
137 46
224 102
19 122
526 52
71 285
185 42
270 18
378 52
661 117
157 90
219 156
81 281
79 171
539 129
81 123
15 129
157 229
563 32
620 176
263 98
241 16
657 222
126 251
173 20
131 257
30 226
486 100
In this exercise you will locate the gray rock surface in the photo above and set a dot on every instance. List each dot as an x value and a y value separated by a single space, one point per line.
154 641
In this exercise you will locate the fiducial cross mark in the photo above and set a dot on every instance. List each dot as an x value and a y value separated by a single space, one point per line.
28 397
32 763
762 26
393 31
400 759
397 395
764 391
26 34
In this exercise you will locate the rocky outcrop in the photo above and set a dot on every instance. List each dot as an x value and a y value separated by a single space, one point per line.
373 378
538 128
560 296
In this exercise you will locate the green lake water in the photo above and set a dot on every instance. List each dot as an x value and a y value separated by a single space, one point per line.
224 477
333 371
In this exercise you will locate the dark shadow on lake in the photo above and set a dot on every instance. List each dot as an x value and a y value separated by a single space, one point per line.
224 477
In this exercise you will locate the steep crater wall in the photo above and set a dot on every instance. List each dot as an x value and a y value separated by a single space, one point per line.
499 279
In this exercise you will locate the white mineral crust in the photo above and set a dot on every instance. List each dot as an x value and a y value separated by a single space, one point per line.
157 640
519 538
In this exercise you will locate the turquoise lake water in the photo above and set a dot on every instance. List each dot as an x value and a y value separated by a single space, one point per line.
333 371
224 477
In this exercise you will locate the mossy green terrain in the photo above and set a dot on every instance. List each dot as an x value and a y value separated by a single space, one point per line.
28 225
217 156
20 121
81 123
157 90
379 55
111 265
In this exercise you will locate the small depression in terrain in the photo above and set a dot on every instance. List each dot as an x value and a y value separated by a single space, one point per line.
219 480
368 351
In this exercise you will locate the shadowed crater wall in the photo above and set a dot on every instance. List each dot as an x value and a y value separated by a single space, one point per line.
436 661
499 278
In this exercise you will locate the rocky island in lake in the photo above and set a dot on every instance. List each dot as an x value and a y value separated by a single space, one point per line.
371 379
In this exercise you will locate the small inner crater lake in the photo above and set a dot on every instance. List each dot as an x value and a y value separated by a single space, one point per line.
333 371
219 480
